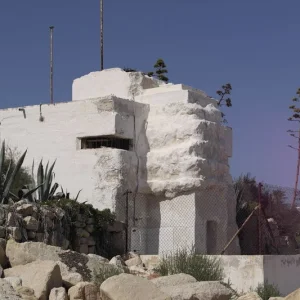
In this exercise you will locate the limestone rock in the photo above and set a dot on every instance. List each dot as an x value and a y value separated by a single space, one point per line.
98 258
15 233
25 210
69 277
84 249
210 290
293 296
139 271
173 280
2 232
90 228
92 249
46 210
276 298
96 263
41 276
3 259
7 291
84 291
2 215
31 234
130 287
135 261
82 233
3 244
31 223
117 261
25 292
15 282
250 296
13 219
58 294
85 265
91 241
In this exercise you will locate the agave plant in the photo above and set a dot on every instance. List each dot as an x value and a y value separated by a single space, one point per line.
7 177
43 190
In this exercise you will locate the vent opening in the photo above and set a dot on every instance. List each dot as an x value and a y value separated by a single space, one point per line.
105 142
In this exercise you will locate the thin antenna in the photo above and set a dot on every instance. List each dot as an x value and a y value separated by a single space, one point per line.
101 33
51 64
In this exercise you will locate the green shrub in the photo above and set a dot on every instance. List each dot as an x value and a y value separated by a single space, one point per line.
201 267
104 273
266 290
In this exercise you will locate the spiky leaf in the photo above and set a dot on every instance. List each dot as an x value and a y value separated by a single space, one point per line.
40 179
2 158
13 175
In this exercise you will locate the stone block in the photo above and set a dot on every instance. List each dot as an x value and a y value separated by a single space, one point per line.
58 294
130 287
2 232
31 235
7 291
15 282
135 261
41 276
82 233
84 249
25 210
92 249
83 290
31 223
91 241
90 228
15 233
173 280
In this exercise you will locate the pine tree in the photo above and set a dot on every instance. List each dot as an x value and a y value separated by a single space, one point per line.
226 90
161 69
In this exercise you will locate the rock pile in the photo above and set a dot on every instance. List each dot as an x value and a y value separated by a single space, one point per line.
34 270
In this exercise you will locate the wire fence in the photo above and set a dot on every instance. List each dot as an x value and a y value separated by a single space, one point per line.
245 219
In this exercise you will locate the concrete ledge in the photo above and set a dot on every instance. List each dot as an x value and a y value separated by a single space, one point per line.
246 272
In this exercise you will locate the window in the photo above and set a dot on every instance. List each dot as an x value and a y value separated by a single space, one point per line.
105 142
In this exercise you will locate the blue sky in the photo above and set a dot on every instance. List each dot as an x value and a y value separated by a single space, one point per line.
254 45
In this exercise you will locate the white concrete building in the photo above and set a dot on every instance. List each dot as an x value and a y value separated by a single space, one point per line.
125 131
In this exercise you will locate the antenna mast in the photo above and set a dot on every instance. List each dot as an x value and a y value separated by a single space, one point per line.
101 33
51 64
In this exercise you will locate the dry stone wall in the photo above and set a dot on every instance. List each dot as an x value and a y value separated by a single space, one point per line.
54 226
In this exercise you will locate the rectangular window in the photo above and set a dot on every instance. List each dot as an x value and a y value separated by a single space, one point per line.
105 142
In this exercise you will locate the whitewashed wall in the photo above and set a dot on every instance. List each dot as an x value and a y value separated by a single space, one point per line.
102 174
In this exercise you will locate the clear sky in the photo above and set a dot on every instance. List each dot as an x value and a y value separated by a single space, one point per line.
254 45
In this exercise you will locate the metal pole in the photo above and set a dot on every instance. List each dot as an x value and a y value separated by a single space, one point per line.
127 219
101 34
241 228
259 220
51 64
297 173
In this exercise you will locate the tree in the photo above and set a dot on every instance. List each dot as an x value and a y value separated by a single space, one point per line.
160 67
224 100
295 134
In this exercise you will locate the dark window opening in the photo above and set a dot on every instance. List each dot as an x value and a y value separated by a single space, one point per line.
211 237
105 141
